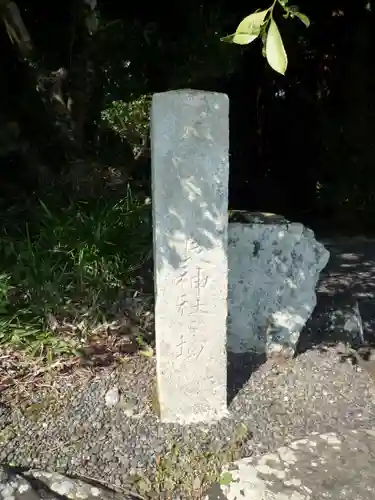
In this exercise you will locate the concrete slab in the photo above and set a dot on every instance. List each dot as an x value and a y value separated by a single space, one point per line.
325 466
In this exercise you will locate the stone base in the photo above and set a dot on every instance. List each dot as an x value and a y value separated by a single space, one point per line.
39 485
329 466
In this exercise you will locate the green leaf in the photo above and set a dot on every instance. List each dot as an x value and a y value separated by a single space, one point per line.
226 479
228 38
249 28
147 353
303 18
275 52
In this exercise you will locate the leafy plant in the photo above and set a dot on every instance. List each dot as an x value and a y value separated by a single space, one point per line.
226 479
4 292
186 470
261 23
130 121
67 266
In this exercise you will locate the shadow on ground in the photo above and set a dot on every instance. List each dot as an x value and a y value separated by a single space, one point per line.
347 282
240 367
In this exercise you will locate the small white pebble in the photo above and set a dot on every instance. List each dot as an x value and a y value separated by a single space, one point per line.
22 488
112 397
62 488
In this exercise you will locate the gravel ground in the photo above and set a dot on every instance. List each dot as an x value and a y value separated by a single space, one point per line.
74 432
69 427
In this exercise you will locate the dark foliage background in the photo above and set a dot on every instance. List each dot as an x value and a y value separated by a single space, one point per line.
75 86
301 144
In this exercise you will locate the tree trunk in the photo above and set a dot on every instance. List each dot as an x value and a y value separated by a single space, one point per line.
47 88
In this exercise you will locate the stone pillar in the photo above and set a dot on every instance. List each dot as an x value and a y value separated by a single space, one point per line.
190 170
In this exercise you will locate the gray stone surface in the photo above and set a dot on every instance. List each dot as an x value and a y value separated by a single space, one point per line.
325 466
274 268
346 294
190 142
38 485
348 321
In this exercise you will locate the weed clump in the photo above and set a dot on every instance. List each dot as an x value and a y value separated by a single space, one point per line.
63 266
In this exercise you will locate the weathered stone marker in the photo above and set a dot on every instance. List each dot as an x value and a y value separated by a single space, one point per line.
190 169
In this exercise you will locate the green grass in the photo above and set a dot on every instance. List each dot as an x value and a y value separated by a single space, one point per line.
67 262
187 471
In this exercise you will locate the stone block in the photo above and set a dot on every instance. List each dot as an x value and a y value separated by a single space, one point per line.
274 267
